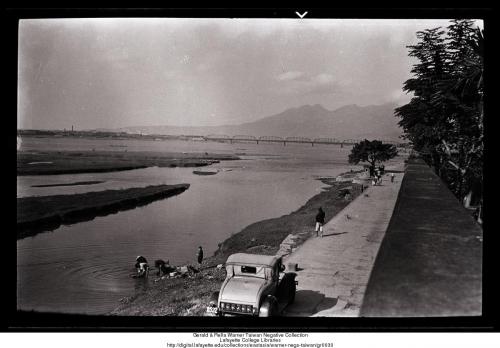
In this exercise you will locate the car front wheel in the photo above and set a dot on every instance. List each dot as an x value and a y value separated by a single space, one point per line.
269 307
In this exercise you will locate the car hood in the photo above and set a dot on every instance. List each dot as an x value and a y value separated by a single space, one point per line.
242 290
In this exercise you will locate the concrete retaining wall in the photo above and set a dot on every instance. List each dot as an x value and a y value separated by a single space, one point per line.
430 261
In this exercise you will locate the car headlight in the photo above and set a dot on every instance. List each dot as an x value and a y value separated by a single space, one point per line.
242 308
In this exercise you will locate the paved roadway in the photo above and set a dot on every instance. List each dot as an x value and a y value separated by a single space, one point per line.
333 271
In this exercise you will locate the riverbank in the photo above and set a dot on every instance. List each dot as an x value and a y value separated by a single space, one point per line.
188 296
74 162
44 213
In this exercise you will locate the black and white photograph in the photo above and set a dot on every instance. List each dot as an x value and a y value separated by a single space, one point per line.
300 168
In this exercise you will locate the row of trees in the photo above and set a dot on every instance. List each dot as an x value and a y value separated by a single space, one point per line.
444 119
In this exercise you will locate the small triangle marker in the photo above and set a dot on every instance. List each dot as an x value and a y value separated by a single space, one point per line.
301 15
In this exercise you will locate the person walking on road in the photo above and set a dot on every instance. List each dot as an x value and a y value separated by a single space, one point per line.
199 255
320 221
392 177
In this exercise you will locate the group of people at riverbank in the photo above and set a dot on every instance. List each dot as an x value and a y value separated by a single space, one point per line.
164 268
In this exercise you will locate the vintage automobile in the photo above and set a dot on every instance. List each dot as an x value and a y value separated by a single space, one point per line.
255 285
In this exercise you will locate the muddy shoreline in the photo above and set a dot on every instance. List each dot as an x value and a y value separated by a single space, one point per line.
45 213
189 295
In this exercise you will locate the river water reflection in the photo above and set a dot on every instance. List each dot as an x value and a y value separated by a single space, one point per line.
85 267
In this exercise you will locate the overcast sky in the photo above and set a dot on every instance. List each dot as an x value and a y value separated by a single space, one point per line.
95 73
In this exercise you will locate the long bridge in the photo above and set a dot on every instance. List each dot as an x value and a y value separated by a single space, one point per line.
275 139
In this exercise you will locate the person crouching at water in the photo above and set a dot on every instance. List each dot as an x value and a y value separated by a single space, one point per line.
141 264
320 221
163 267
199 255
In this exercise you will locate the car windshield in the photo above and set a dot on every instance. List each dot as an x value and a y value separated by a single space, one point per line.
249 271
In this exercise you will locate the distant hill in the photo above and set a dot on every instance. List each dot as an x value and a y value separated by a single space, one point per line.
312 121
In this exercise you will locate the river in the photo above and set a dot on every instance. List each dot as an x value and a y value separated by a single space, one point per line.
86 267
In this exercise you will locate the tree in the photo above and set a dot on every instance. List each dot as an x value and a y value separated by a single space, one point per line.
444 119
464 148
461 96
424 122
372 152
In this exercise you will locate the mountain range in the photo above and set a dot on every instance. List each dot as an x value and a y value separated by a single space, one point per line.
312 121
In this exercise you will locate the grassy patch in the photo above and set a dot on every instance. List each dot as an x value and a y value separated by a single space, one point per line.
42 213
71 162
